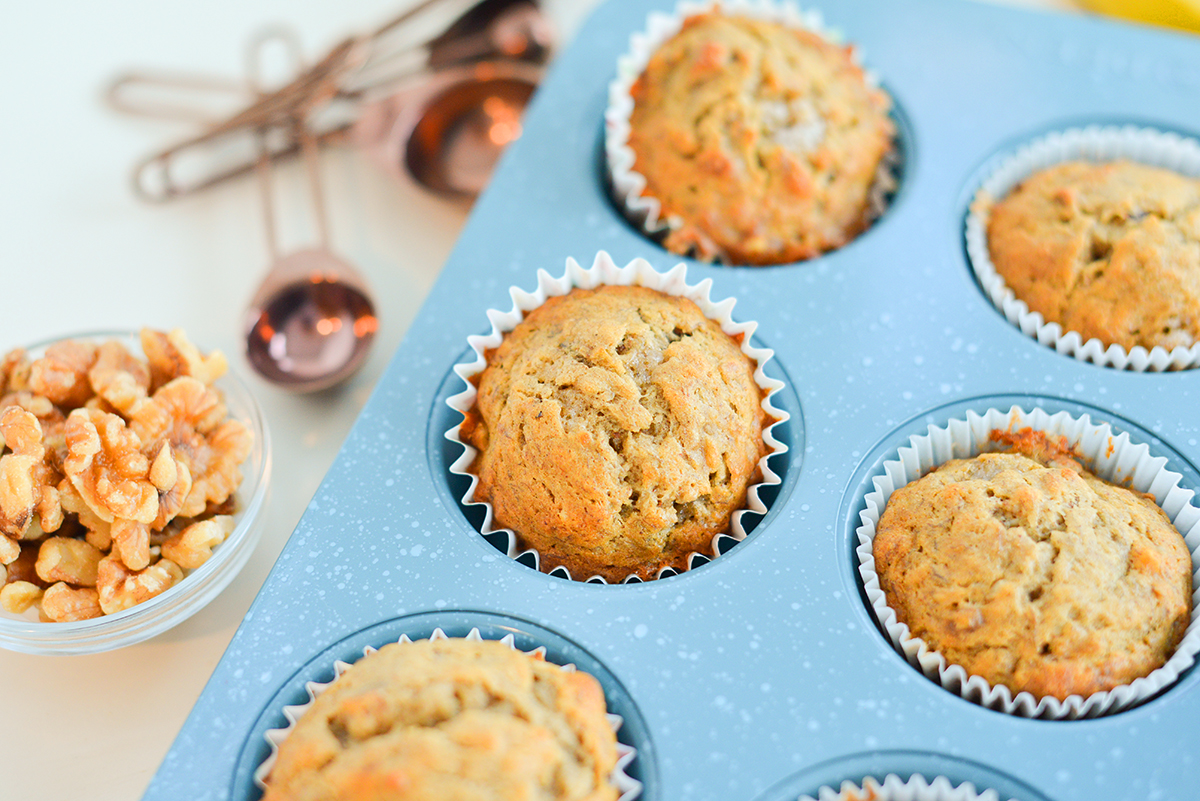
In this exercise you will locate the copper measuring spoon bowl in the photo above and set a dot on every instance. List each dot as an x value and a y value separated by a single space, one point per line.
311 323
449 133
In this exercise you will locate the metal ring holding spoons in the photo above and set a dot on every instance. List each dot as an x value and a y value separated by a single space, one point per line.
311 322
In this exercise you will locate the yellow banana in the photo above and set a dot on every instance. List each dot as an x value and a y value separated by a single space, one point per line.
1182 14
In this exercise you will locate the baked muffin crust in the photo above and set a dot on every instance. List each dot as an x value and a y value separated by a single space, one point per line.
450 719
618 429
1109 250
1029 571
763 139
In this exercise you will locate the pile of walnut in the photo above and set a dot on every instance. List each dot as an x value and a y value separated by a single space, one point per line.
116 475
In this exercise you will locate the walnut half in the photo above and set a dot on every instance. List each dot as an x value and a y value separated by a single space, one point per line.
19 491
120 588
106 466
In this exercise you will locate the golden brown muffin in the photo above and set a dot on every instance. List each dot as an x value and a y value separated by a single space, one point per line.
1109 250
1029 571
450 720
618 431
765 140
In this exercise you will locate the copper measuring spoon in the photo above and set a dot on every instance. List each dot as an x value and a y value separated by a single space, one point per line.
311 321
450 135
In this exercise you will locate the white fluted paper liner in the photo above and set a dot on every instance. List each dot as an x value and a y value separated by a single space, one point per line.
636 273
629 787
1093 143
893 788
627 185
1112 457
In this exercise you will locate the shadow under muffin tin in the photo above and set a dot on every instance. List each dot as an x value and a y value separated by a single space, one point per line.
761 675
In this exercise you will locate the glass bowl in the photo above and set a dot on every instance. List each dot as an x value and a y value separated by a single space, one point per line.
27 634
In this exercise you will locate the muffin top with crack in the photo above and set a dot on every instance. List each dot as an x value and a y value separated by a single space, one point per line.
762 140
1109 250
1031 572
452 718
618 430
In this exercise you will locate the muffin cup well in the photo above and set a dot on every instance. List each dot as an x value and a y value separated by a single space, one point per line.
626 185
893 788
636 273
629 787
1093 143
1113 458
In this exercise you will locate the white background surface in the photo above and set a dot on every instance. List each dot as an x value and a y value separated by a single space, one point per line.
82 254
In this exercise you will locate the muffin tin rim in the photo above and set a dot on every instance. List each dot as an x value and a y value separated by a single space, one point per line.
845 766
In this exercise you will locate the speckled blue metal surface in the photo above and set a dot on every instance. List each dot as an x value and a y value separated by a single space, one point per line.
762 674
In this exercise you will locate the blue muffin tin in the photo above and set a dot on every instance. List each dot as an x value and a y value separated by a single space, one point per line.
761 675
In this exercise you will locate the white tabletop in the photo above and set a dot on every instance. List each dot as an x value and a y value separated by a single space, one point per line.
85 255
